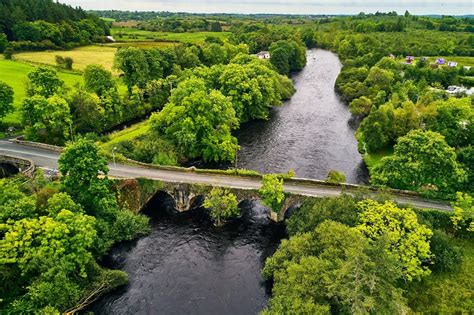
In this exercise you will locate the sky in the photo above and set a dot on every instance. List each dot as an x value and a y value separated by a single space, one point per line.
447 7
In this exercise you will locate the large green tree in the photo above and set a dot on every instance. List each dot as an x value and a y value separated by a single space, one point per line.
421 160
98 80
405 237
43 81
223 205
198 121
271 192
46 120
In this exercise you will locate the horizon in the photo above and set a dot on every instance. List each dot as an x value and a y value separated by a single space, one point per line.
297 7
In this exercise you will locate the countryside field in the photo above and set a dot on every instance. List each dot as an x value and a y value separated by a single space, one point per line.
133 34
15 73
82 56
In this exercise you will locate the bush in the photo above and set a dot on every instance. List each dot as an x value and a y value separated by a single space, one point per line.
336 177
314 211
8 53
64 62
446 256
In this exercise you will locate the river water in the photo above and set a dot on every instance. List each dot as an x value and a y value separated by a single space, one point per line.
312 133
186 265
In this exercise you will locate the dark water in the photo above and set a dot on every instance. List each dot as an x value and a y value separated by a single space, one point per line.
186 265
311 134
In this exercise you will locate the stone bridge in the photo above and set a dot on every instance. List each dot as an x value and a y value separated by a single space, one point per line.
10 165
134 194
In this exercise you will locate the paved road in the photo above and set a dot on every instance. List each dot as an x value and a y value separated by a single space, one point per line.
49 160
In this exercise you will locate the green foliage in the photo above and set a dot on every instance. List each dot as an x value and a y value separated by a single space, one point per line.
336 177
287 56
271 192
46 119
421 160
132 62
463 216
314 211
129 226
6 99
223 205
43 81
334 268
80 164
64 62
98 80
198 122
406 238
447 257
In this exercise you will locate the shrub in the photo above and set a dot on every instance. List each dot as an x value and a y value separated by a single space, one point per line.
8 53
336 177
446 256
64 62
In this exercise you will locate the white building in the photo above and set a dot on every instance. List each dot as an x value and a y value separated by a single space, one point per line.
263 55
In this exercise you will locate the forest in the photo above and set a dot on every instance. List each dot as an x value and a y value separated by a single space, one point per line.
173 100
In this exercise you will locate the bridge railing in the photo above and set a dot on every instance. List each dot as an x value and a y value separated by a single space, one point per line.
26 166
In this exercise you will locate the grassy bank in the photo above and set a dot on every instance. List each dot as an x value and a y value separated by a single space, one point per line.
15 73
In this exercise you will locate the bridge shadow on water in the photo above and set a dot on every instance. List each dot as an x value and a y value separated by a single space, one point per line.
188 266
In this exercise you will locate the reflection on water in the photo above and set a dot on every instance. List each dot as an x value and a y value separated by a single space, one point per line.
312 133
188 266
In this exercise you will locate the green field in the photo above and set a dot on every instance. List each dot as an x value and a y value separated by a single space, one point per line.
374 158
82 56
14 74
130 34
129 133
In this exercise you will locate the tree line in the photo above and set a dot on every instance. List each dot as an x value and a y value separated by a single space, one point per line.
44 24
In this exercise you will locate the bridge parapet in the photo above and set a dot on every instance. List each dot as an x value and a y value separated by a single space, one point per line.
25 166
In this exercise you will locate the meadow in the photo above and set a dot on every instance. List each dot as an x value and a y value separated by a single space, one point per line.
129 34
14 73
82 56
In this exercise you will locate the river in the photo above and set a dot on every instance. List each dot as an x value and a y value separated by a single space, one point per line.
186 265
312 133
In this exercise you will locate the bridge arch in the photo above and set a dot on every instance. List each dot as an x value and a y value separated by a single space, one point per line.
10 165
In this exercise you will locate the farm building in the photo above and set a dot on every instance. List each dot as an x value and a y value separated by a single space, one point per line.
263 55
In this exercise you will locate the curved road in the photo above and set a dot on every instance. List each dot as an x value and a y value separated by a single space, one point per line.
49 160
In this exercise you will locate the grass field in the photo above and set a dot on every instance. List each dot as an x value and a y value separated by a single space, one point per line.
135 35
372 159
125 134
14 74
82 56
145 45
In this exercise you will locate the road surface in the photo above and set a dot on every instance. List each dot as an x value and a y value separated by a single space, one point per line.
49 160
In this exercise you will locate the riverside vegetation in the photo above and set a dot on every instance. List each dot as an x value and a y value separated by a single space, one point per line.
343 255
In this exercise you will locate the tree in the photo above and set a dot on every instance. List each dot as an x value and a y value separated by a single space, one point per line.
198 121
421 159
271 192
279 58
46 119
86 111
64 62
360 106
406 238
81 164
133 63
98 80
223 205
43 81
463 216
3 42
214 54
6 99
